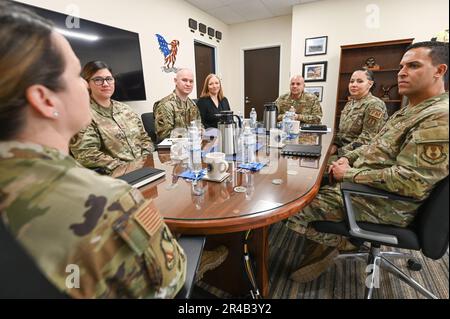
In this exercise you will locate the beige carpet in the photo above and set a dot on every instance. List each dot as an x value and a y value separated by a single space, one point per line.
345 280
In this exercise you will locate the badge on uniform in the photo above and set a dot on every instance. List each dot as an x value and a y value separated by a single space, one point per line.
433 154
374 116
149 219
168 248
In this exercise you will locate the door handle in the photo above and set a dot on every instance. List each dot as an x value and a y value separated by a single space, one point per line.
247 100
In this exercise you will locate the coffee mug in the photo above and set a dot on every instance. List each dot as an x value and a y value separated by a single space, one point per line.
277 137
180 149
295 127
179 132
217 164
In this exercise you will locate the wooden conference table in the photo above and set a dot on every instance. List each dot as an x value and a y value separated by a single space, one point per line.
225 215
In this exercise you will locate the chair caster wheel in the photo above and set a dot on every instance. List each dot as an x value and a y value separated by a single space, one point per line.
414 265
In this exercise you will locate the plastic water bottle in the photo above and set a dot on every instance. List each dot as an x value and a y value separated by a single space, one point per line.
292 110
253 118
287 123
241 117
195 154
248 146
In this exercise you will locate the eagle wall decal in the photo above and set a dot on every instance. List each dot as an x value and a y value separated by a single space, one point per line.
170 54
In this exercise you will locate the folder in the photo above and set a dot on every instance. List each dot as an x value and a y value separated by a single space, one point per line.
142 176
302 150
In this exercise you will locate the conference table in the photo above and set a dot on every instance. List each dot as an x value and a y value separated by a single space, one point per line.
244 201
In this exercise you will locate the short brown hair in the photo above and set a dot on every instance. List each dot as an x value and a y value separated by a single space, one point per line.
92 67
28 56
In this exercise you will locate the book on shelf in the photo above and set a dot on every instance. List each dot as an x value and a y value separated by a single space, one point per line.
142 176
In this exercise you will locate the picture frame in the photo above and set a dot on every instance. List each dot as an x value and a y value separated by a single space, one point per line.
315 71
316 46
316 90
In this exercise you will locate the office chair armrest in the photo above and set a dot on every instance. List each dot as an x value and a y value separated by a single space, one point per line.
360 189
193 248
352 188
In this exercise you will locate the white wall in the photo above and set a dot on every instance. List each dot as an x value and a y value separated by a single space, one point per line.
254 35
344 22
147 17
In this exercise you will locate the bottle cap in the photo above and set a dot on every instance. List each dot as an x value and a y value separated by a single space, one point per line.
277 181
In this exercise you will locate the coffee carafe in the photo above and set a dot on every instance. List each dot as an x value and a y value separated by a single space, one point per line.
228 129
270 116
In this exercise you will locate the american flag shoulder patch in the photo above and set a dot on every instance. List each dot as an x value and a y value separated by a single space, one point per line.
149 219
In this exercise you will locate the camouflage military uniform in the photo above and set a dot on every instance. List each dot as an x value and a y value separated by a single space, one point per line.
66 216
172 112
408 157
307 107
115 136
360 121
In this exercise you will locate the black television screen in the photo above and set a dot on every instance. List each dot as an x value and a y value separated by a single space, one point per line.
120 49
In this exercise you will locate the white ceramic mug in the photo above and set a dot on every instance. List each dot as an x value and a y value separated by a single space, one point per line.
217 164
277 137
295 127
179 150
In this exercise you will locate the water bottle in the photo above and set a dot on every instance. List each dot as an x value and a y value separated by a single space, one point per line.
287 123
293 113
195 154
253 118
241 117
248 146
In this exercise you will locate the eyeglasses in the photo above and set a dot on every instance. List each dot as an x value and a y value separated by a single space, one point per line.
99 80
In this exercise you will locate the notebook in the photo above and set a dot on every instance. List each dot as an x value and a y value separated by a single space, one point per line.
314 127
302 150
167 142
142 176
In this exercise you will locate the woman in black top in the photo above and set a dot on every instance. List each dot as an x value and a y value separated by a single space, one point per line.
212 101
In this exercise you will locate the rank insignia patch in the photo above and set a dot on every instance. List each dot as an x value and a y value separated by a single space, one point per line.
433 154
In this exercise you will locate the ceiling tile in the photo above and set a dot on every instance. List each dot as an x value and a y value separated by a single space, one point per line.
205 5
251 10
237 11
227 15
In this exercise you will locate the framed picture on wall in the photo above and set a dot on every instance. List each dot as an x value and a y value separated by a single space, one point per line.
316 90
315 71
316 46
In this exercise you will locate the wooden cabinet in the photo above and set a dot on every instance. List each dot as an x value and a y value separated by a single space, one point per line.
387 55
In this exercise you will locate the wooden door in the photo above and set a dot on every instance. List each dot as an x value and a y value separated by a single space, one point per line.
262 79
205 63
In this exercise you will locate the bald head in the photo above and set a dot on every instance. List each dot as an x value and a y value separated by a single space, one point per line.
184 83
297 85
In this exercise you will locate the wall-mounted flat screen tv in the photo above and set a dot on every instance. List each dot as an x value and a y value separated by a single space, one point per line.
120 49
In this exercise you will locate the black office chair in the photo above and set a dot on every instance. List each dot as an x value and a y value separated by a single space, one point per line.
149 125
429 233
20 278
193 247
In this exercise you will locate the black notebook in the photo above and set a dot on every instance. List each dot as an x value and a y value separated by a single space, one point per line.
142 176
314 127
302 150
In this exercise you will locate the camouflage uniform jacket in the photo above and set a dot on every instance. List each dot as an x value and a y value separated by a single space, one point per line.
360 121
69 218
172 112
115 136
408 156
307 107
